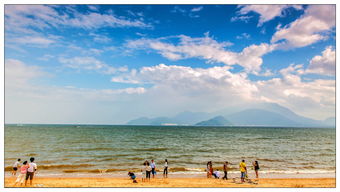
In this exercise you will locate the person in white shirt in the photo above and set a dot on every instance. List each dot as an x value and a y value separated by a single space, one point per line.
165 172
216 174
30 171
153 168
16 166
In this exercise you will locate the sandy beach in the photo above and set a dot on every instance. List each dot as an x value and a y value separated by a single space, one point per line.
175 182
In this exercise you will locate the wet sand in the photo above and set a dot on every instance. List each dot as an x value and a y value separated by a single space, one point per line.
175 182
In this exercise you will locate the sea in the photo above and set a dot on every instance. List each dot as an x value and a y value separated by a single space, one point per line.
115 149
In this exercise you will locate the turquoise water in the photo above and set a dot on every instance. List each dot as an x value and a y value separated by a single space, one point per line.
90 148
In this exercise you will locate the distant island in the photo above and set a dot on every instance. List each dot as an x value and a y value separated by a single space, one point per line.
264 114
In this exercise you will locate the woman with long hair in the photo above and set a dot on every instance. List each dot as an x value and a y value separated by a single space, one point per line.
256 168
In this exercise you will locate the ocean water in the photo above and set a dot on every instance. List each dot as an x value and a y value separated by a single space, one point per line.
91 149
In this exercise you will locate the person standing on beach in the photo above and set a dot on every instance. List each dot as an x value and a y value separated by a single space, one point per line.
256 168
143 170
208 170
165 171
147 170
30 171
16 165
211 169
22 175
153 168
225 169
243 169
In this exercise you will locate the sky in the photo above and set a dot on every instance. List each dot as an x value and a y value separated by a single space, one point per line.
108 64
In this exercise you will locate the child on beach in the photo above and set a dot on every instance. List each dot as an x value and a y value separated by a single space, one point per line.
23 171
16 165
143 170
256 168
132 176
165 171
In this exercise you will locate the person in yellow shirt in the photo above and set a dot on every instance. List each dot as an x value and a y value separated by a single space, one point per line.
243 169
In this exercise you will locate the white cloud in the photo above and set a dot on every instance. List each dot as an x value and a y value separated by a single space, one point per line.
100 38
196 9
243 36
206 48
46 57
216 85
88 63
309 28
16 73
267 12
178 9
323 64
27 101
314 98
19 18
241 18
32 41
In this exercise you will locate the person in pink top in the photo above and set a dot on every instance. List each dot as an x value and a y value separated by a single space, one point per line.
22 175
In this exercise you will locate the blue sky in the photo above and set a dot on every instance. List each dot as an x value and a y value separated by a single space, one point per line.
108 64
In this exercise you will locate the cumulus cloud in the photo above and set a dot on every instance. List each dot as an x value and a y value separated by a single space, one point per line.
206 48
219 87
323 64
303 97
266 12
309 28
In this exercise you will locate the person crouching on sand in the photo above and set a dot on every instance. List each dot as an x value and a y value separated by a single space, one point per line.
216 174
243 169
22 175
132 176
256 168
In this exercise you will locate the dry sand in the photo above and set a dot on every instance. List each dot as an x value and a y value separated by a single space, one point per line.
173 182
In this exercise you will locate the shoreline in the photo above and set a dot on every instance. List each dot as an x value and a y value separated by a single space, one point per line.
189 182
183 175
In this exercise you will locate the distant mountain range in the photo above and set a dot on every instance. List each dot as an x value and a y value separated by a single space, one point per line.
264 114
